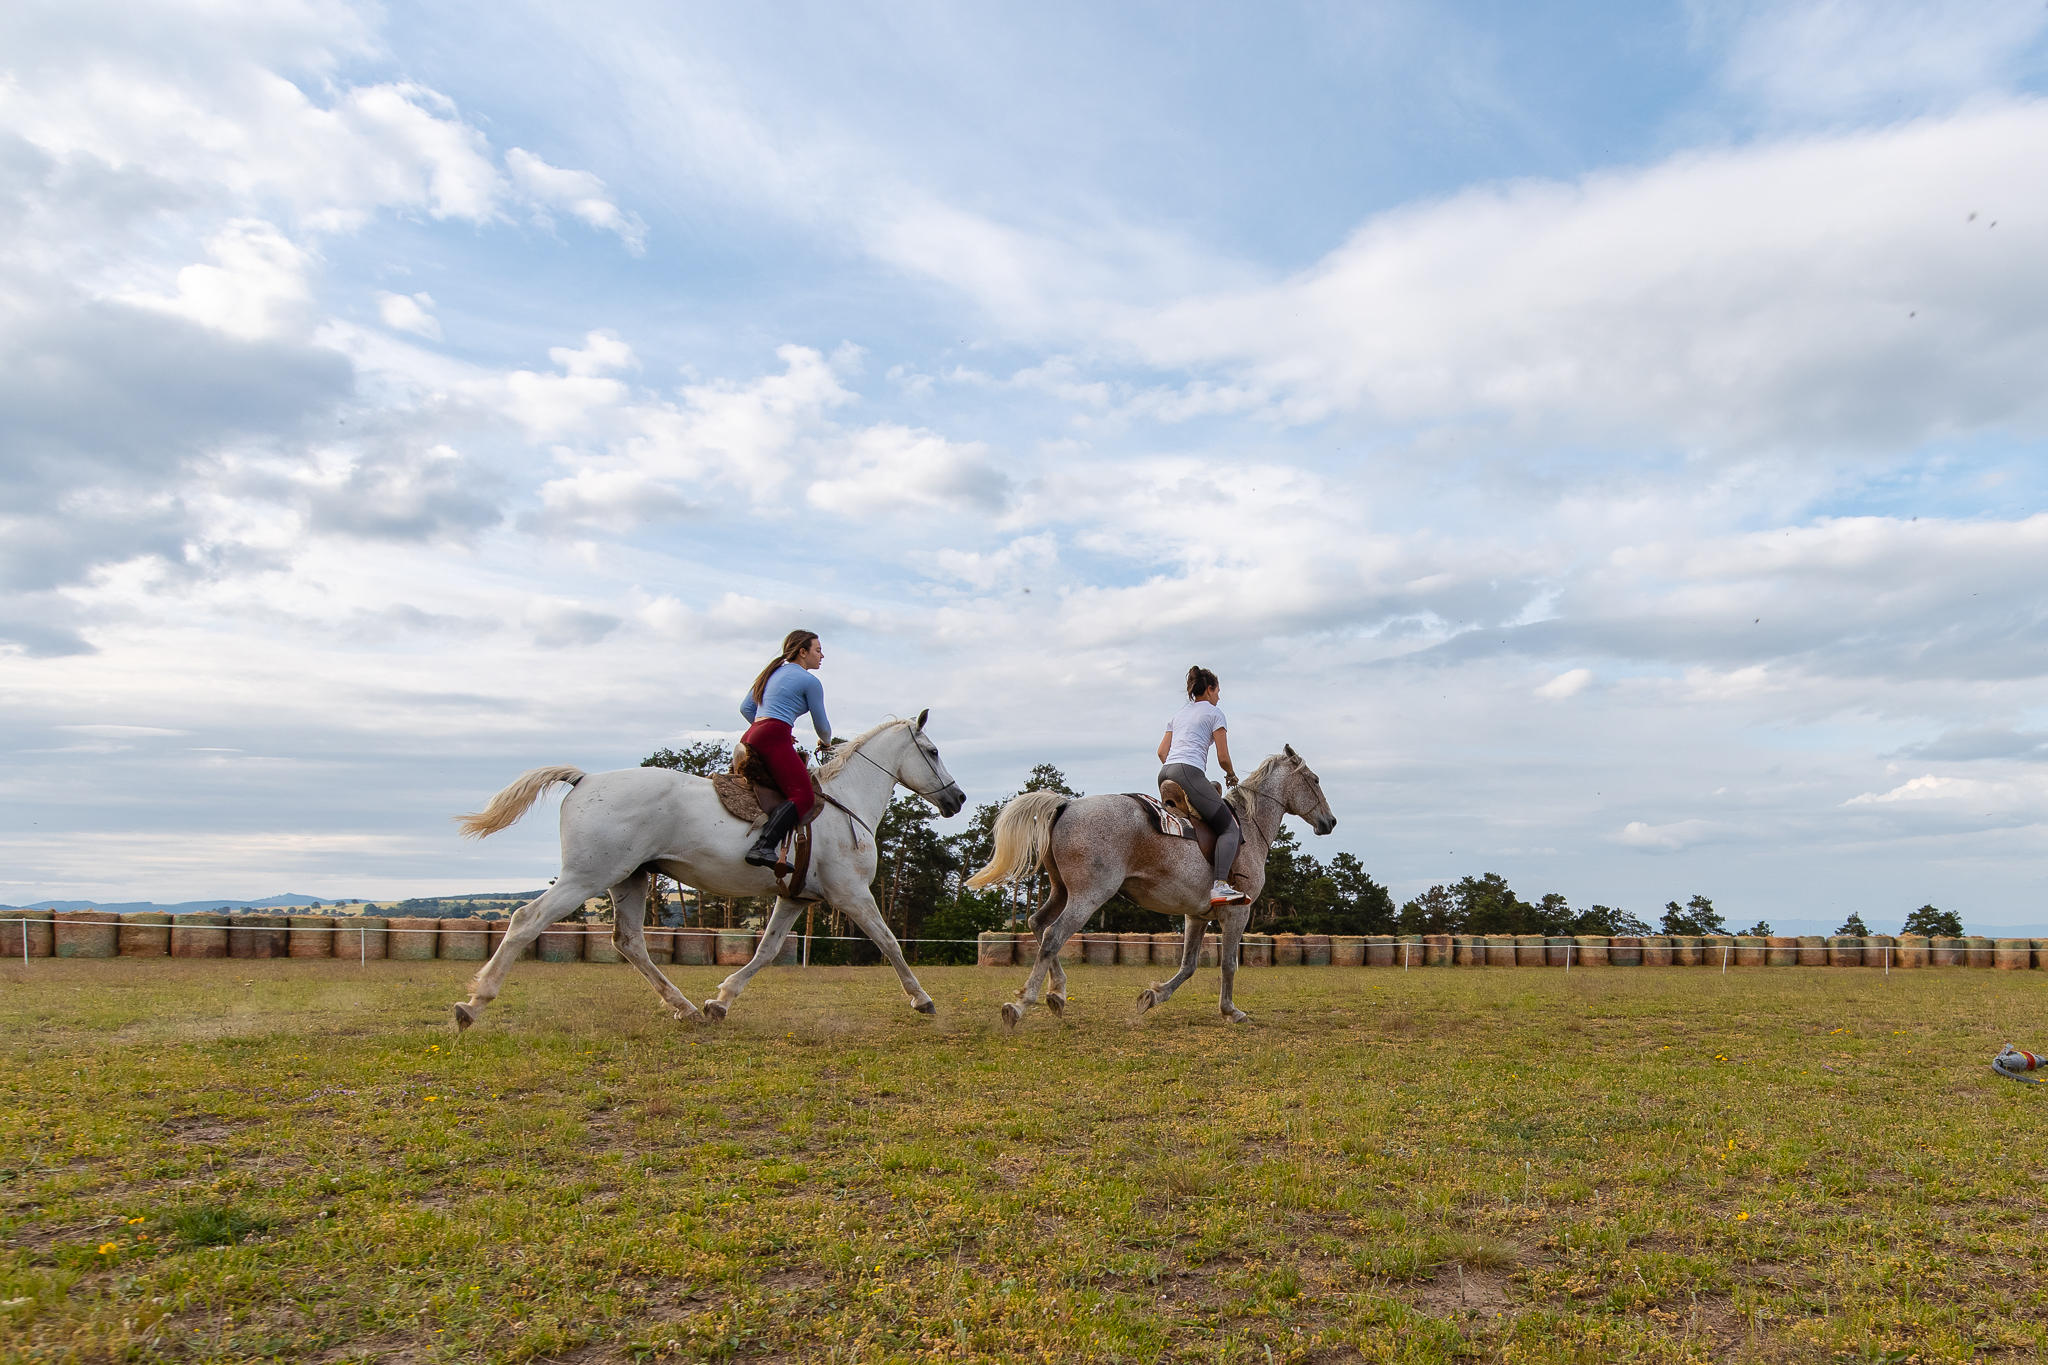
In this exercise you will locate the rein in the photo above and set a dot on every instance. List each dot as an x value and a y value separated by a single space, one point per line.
893 778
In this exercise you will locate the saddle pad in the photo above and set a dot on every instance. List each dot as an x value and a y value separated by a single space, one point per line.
1171 822
736 794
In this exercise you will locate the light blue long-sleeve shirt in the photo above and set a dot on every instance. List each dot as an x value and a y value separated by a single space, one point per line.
792 690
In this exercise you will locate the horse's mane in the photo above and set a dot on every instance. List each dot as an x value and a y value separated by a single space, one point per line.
844 753
1256 779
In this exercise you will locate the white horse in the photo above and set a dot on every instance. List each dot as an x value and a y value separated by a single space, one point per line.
619 827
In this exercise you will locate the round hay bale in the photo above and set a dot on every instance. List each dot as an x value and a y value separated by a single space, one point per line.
1558 951
1134 950
1347 950
1212 951
1529 950
1098 950
1751 951
1845 950
146 935
734 947
1589 950
1781 951
1720 950
1468 950
463 940
413 939
791 953
1380 951
1315 950
1688 950
1255 950
560 942
661 944
1878 951
359 938
1074 949
695 946
1166 949
1945 952
993 949
1983 952
2041 954
1813 950
203 934
1657 951
2013 954
1911 952
311 936
598 945
260 936
1625 951
85 933
1436 950
1500 950
1287 950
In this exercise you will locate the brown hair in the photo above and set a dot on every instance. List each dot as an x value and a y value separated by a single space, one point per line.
1200 680
793 644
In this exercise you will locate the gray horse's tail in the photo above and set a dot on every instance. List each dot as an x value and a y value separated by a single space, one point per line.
1023 833
511 803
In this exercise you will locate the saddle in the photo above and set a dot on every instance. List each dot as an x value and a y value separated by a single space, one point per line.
748 791
1176 818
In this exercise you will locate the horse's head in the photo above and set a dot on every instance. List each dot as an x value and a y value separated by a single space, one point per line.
1302 793
919 767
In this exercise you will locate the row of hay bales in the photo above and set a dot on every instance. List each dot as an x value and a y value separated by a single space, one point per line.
97 934
1534 950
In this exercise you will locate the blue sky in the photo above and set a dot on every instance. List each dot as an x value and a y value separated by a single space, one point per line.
1604 439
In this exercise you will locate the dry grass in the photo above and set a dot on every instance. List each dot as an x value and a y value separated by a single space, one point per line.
249 1160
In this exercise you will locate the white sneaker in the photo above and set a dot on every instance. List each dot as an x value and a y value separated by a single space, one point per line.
1223 893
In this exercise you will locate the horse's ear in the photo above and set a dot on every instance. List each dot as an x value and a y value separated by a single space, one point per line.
1290 751
919 727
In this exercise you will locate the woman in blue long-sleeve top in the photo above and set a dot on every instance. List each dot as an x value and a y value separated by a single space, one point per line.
787 689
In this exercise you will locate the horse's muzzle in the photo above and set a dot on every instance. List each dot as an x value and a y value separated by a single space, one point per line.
952 801
1326 824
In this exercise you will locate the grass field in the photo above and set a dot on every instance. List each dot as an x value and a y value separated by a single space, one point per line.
254 1160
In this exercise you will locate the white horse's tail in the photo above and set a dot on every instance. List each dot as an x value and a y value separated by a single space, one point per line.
511 803
1023 834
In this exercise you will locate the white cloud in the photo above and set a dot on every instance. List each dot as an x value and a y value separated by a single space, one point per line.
408 313
581 193
1667 838
1568 684
258 288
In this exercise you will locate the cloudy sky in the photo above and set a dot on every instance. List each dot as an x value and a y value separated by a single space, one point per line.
1605 440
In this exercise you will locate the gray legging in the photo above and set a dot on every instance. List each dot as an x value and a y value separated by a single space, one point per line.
1214 810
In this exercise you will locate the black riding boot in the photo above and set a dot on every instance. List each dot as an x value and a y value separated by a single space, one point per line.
781 822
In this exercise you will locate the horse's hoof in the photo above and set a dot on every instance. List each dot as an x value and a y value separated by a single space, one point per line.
1145 1001
464 1017
928 1007
1056 1002
685 1013
714 1010
1013 1014
1236 1017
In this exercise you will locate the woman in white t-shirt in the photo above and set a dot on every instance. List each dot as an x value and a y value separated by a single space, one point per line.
1185 752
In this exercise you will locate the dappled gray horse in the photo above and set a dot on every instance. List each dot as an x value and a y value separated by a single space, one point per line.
620 827
1094 846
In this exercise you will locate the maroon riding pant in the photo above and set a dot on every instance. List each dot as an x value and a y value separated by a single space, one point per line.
777 746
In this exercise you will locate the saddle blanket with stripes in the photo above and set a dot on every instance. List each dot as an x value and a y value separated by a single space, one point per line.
1171 822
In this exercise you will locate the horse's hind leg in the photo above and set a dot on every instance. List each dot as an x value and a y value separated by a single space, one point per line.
1190 954
629 909
527 921
1082 901
1042 920
772 934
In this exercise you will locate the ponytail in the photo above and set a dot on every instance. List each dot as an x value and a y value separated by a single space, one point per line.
793 644
1200 680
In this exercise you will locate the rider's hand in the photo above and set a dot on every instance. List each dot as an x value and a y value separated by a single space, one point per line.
1230 779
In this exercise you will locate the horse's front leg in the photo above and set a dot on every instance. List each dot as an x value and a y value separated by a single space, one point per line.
859 906
1159 992
629 912
776 930
1234 919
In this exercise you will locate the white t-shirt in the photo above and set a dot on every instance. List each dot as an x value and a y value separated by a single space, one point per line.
1194 728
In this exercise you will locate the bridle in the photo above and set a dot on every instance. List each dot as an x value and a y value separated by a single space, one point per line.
930 767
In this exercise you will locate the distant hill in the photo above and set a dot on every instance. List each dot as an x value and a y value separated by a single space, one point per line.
420 905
